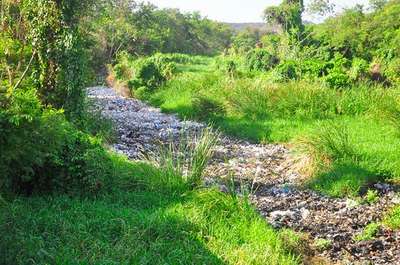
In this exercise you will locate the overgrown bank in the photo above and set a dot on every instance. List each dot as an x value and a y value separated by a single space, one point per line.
336 100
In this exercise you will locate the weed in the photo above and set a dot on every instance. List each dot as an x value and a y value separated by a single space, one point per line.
371 197
185 162
368 233
392 219
295 241
322 244
330 142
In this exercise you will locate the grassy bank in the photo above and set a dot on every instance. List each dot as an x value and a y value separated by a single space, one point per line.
145 218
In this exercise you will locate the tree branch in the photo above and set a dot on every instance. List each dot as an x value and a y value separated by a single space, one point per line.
25 72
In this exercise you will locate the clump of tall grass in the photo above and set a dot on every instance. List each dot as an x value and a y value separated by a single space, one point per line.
328 143
391 114
183 163
248 99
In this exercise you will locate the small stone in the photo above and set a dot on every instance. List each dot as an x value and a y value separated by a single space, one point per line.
304 213
351 203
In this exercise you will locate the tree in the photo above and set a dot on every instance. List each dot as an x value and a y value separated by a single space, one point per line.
377 4
320 7
41 39
288 16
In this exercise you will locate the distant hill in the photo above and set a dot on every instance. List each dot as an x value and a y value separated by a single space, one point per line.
252 25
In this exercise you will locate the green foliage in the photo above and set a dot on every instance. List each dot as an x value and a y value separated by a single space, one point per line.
288 70
337 76
143 29
184 163
148 73
322 244
392 218
368 233
392 71
288 16
359 69
245 41
60 71
371 197
260 60
42 152
320 7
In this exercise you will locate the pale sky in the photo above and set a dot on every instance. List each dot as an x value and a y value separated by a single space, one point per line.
236 10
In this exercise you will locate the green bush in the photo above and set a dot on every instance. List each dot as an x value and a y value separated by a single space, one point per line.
337 79
150 72
392 71
359 69
260 60
146 73
313 68
288 70
42 152
337 76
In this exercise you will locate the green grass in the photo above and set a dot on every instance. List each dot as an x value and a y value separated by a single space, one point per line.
255 108
392 219
368 233
146 218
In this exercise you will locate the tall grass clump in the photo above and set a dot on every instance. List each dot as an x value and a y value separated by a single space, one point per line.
329 142
390 112
332 161
183 163
247 98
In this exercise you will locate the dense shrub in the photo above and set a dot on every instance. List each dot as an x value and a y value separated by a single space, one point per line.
146 73
288 70
359 69
260 60
337 76
313 68
42 152
392 71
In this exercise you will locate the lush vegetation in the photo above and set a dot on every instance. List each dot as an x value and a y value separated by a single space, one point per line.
337 101
65 198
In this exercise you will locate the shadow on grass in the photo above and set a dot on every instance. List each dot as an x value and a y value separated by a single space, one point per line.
343 179
254 131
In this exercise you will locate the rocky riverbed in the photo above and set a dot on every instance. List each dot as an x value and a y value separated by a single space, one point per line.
269 174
